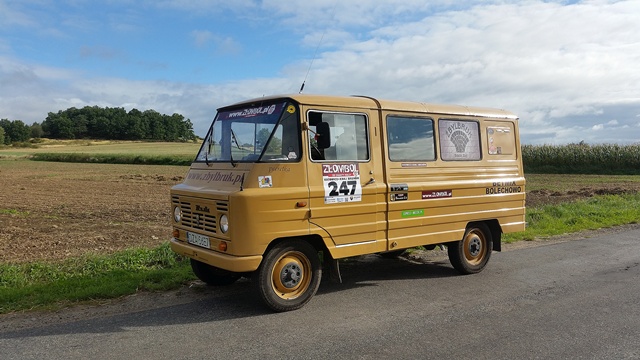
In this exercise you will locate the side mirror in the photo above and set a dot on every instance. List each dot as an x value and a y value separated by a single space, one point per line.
323 134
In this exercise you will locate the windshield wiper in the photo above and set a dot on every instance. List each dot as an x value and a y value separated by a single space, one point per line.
235 139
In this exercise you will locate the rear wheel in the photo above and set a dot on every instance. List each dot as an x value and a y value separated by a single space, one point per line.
213 275
289 275
471 254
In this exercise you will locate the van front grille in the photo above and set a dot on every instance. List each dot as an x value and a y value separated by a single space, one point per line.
200 214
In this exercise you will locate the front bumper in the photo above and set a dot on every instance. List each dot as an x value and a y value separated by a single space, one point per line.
238 264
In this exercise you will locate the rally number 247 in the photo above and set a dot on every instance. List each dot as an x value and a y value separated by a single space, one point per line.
343 188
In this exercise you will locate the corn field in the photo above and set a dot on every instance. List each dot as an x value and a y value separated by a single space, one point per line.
582 159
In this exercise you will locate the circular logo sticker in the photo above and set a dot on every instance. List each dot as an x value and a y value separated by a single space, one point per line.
291 109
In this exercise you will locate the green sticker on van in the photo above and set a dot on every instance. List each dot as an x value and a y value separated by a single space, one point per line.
412 213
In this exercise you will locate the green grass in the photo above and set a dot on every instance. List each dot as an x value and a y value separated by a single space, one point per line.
44 285
14 212
594 213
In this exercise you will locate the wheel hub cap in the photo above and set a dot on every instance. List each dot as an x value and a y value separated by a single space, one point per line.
290 275
475 246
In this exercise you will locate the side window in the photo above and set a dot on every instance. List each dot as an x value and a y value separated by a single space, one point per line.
410 139
459 140
338 136
501 140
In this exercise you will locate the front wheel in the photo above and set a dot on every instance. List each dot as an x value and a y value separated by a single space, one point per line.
471 254
289 275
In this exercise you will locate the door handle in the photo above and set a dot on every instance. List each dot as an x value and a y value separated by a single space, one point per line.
371 181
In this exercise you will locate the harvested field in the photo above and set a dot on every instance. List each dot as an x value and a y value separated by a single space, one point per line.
52 211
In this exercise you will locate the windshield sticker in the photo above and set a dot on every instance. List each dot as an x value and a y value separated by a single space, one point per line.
251 112
341 183
265 181
291 109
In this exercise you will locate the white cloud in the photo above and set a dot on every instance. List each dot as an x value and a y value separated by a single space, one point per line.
203 39
10 16
204 6
565 69
538 58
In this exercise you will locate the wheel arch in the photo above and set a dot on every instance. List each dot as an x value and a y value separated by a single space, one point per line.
314 240
496 232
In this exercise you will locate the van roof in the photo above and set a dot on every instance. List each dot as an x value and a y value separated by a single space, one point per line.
366 102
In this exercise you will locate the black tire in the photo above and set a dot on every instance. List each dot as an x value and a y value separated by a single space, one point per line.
212 275
288 276
471 254
391 254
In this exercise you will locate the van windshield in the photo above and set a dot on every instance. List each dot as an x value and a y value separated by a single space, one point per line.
253 134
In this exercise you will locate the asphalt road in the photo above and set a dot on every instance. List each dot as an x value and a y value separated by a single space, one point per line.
567 300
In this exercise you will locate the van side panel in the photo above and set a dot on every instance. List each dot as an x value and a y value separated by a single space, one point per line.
432 202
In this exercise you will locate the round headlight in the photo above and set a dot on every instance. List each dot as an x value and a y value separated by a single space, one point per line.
224 224
177 214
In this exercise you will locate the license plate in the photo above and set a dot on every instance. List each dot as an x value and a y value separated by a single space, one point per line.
199 240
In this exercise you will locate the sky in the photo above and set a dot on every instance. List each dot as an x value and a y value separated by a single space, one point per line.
569 69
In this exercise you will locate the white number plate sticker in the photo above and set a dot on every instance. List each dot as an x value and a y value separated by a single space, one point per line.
199 240
341 183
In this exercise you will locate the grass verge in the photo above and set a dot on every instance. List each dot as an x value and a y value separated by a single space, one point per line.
591 214
50 285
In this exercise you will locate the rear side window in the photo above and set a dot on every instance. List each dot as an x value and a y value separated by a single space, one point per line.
410 139
501 140
459 140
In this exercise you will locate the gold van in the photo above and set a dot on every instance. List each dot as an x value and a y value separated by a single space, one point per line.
286 184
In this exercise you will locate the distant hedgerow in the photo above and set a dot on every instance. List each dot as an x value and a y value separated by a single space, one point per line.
113 158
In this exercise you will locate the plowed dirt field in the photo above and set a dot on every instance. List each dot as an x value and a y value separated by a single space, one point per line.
51 211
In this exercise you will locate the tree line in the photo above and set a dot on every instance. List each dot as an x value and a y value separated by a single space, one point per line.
93 122
14 131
